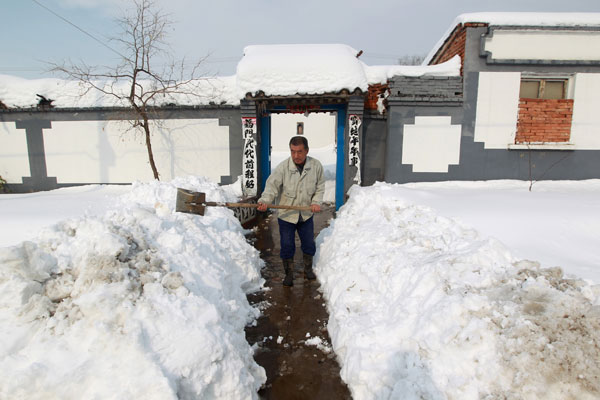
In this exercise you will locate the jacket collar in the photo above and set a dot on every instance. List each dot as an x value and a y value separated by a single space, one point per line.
307 165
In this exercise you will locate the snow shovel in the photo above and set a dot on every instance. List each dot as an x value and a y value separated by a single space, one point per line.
195 203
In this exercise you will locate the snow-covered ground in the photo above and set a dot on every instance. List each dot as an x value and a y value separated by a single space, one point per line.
433 290
556 223
423 306
132 301
24 215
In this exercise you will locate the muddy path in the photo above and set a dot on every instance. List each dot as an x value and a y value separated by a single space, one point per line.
291 316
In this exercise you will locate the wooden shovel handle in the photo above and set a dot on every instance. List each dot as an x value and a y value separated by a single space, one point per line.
250 205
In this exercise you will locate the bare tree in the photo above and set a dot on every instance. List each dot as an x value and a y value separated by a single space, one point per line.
533 166
411 60
3 184
138 81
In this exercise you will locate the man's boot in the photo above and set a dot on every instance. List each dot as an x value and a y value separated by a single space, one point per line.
288 266
308 271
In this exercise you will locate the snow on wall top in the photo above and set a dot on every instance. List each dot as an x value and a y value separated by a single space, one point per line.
273 69
518 19
19 92
381 73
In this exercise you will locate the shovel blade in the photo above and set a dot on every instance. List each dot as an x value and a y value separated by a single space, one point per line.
190 202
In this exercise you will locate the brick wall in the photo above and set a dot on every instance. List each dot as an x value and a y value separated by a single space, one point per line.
543 120
455 45
373 95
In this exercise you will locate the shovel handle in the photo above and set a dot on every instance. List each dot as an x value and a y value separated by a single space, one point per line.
250 205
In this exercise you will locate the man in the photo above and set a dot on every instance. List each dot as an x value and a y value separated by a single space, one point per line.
297 181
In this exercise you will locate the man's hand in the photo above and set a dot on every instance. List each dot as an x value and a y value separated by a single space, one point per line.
315 208
262 207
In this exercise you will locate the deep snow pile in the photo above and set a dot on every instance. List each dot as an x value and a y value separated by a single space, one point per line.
424 307
557 223
141 302
24 215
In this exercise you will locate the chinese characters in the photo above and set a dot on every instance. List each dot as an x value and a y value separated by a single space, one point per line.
354 144
249 184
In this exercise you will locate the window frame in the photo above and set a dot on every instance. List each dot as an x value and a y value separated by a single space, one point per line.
542 79
568 94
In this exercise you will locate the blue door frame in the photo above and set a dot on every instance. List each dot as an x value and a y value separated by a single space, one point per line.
265 149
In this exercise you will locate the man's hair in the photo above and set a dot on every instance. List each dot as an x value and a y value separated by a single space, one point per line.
298 140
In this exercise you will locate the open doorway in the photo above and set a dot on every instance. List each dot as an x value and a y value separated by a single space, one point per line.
319 128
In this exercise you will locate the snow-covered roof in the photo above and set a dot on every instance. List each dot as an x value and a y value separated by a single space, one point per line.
300 69
275 70
519 19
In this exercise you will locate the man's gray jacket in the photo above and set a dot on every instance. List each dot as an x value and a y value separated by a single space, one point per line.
286 186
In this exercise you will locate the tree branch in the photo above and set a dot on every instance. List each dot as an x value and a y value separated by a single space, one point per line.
135 80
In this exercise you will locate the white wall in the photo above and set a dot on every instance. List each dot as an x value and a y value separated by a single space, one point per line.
104 152
497 109
543 45
14 163
431 144
585 131
319 129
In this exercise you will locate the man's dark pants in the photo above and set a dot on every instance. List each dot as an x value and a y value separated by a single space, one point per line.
287 233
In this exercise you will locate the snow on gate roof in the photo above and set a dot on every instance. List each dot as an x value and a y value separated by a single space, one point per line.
300 69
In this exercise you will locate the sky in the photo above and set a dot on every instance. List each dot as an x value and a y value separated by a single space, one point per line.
384 29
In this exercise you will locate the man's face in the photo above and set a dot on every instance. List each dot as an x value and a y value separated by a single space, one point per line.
298 153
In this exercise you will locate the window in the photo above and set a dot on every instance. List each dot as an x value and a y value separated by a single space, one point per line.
551 88
545 111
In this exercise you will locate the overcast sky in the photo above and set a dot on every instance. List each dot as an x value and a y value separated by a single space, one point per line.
384 29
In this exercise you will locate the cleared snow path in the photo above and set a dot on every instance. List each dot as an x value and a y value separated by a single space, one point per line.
290 336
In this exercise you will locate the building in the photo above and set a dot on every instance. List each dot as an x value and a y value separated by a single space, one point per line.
524 105
502 96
